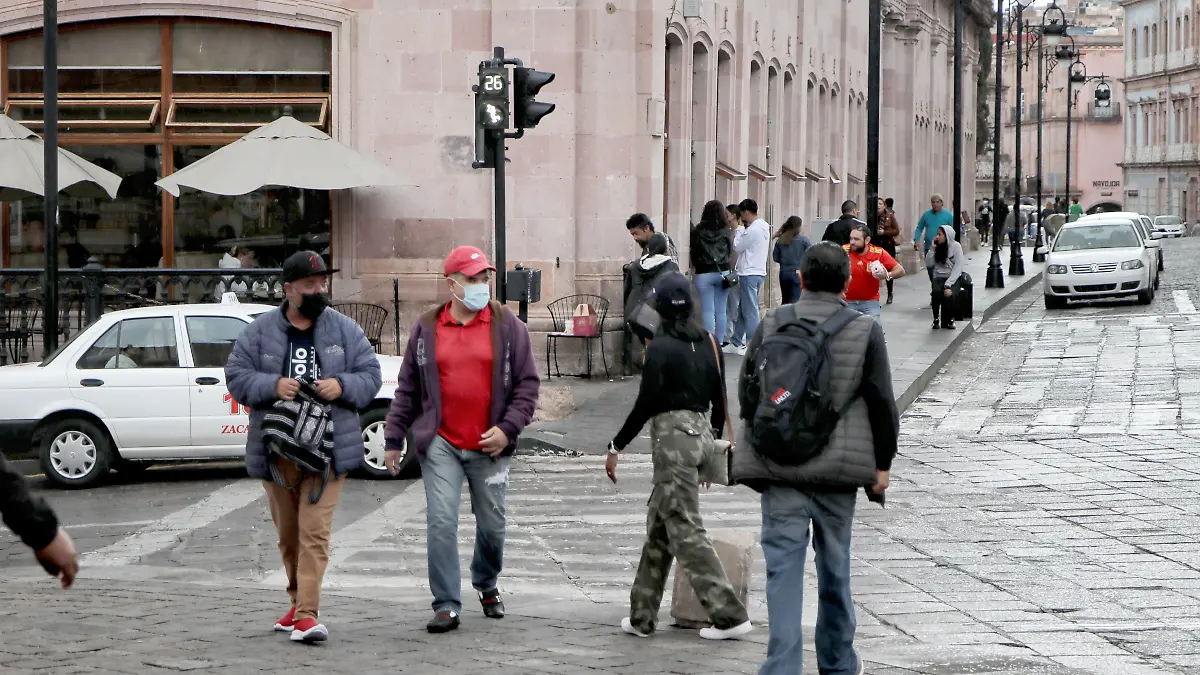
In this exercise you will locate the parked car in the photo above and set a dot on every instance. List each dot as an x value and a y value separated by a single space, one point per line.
123 394
1097 257
1142 223
1170 226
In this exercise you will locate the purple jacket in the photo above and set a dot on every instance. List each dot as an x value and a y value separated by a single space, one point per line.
418 402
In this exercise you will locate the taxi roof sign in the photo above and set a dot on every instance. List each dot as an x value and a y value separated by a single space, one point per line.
230 298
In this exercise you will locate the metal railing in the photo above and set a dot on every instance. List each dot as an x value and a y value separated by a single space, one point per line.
84 295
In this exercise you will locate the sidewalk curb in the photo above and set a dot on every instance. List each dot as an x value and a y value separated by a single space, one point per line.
909 395
543 442
27 467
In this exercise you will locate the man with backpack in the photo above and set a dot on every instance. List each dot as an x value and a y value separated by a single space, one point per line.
821 424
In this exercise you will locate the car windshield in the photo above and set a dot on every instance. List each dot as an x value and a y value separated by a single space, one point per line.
1087 237
1166 220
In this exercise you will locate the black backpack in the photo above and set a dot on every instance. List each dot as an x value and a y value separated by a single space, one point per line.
795 414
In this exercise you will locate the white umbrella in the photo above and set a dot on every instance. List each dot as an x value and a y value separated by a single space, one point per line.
284 153
22 161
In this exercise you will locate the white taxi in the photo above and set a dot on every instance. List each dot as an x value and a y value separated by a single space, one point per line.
147 385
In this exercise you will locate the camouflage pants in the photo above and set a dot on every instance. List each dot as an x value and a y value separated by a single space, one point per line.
674 529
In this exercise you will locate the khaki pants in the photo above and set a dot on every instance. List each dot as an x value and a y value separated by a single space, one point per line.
303 533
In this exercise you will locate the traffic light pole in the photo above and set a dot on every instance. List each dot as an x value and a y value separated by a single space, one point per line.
501 261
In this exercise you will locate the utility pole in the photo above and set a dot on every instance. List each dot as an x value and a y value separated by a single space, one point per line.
958 114
1016 264
50 173
874 38
995 272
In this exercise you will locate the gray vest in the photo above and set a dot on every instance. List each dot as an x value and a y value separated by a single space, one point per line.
849 459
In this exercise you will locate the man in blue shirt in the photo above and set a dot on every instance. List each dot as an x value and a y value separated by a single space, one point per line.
931 223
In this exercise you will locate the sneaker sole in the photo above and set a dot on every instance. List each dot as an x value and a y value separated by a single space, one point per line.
315 634
729 634
283 629
628 628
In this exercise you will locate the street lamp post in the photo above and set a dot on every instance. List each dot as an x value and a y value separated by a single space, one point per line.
1016 264
995 271
1076 74
1052 32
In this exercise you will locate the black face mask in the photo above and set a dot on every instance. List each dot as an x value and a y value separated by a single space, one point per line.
311 305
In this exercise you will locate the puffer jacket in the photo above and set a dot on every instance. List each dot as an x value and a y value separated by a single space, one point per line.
643 275
258 360
863 440
952 269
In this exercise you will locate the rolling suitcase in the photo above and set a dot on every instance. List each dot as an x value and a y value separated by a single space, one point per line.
736 553
963 298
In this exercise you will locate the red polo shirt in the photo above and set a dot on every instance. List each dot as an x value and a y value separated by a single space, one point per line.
464 361
863 285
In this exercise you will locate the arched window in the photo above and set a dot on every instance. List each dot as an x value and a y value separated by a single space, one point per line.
1154 40
1145 41
1187 31
1133 43
1178 33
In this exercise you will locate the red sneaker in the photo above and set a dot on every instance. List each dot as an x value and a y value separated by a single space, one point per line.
308 630
287 622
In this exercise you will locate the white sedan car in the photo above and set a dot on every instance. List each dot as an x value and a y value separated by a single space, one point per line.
148 385
1099 258
1170 226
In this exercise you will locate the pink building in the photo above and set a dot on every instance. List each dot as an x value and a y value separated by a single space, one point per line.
661 106
1097 135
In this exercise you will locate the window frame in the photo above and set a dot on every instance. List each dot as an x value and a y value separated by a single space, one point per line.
187 333
154 103
118 326
247 101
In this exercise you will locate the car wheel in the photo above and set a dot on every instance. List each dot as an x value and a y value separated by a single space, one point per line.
75 453
1160 261
1157 281
374 423
1147 296
1055 302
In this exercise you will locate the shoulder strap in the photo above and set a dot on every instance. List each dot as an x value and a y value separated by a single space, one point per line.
724 396
838 321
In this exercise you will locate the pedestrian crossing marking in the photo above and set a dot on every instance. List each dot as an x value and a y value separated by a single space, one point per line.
1184 302
170 529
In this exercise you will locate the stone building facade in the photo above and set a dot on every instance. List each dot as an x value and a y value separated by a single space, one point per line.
662 105
1162 103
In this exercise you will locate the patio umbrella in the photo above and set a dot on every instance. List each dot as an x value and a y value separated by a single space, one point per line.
284 153
22 162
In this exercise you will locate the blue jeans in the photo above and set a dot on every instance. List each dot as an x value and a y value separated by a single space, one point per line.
443 468
786 514
789 287
869 307
714 298
747 317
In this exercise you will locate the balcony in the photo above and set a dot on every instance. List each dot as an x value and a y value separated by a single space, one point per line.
1110 113
1144 155
1181 152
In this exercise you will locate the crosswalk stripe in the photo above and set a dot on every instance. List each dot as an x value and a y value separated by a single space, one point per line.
1184 302
170 529
362 533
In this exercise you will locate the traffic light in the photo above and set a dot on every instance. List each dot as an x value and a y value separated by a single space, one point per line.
527 82
491 98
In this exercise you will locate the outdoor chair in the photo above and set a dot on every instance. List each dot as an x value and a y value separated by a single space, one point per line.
561 314
369 317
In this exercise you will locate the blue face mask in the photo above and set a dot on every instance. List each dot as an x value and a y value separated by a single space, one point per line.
475 296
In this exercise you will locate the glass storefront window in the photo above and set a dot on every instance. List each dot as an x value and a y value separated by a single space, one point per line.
123 232
88 115
244 115
223 58
271 223
102 59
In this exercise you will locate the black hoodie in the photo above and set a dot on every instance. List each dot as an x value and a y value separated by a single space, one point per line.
712 248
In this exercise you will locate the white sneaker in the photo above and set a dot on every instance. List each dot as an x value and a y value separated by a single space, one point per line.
714 633
730 349
627 626
740 351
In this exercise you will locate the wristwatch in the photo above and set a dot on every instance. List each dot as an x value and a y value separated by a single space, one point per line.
612 448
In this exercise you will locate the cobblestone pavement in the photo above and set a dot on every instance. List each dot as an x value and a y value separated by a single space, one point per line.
1042 519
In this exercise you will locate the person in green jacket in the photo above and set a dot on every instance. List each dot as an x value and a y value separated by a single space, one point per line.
1075 212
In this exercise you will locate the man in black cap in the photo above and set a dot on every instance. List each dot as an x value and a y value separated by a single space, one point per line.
305 341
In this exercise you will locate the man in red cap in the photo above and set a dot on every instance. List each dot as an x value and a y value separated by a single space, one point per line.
467 388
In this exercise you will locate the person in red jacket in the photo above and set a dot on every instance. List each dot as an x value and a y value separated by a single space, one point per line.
869 265
468 386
